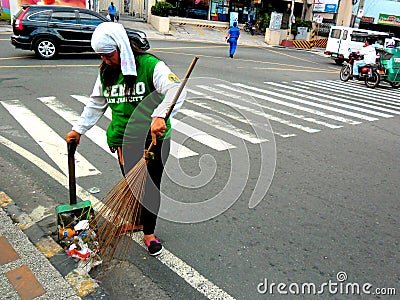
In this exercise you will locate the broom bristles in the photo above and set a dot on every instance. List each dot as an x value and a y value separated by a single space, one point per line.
121 208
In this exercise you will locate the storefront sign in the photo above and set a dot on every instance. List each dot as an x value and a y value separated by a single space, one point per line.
389 19
326 6
367 19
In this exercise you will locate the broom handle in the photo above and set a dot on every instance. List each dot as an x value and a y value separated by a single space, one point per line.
178 93
71 170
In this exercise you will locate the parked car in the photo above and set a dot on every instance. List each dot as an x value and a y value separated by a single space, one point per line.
49 30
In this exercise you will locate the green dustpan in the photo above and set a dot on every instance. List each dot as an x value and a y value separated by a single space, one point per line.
67 214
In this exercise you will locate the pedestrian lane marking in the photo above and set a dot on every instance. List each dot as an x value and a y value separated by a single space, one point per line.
52 144
204 104
306 102
95 134
200 136
375 95
285 89
379 91
174 263
295 106
308 119
391 98
254 111
223 126
331 88
223 108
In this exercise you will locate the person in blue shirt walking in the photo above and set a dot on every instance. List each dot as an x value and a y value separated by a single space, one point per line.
232 37
112 9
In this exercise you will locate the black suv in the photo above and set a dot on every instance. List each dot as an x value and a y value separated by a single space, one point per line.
49 30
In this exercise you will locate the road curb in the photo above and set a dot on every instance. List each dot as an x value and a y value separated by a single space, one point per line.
81 284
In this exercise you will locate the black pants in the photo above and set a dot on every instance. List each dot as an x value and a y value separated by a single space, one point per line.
131 154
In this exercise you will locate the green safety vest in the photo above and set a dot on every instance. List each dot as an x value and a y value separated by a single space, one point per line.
131 119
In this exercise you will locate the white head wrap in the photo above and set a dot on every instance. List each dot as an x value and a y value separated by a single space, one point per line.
108 37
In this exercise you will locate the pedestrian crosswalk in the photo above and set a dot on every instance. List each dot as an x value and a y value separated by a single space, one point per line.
220 115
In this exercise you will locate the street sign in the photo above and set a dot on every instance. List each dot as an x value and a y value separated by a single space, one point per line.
318 18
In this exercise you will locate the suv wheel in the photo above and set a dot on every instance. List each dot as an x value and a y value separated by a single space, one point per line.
45 48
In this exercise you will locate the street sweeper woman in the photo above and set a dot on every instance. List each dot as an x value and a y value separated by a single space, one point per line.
128 77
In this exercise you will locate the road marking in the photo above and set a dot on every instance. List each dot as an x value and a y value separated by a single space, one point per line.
363 92
285 87
223 126
292 68
174 263
308 119
367 111
322 106
379 91
255 112
201 136
48 140
95 134
189 274
46 66
14 57
203 104
176 150
297 58
345 93
295 106
198 30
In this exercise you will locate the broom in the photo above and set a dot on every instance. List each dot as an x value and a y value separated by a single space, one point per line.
121 206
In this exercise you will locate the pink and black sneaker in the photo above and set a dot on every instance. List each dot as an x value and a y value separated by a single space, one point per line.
154 247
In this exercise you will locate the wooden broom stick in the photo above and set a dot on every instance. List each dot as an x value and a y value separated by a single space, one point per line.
178 93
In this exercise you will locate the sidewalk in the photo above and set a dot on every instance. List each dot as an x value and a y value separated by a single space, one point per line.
25 271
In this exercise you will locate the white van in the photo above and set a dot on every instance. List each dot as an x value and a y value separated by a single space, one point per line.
344 40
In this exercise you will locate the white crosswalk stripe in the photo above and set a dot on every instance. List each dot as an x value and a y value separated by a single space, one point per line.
254 111
95 134
223 126
339 99
51 142
308 119
332 89
310 103
296 106
216 115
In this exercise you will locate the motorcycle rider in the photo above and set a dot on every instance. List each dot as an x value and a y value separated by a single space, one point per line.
369 53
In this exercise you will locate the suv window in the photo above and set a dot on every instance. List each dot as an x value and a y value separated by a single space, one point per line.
42 16
66 17
88 19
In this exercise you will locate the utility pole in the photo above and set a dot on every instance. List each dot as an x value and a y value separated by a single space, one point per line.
360 13
290 20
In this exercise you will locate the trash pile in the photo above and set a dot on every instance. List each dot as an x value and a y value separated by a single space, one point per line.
78 239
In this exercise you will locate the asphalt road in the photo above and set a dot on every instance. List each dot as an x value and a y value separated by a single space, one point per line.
326 181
